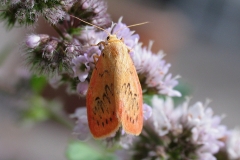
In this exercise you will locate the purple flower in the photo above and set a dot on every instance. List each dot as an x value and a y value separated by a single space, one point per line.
126 140
122 31
161 115
90 37
99 8
82 88
168 85
54 14
81 129
55 81
147 111
155 70
49 49
81 67
205 128
96 11
233 144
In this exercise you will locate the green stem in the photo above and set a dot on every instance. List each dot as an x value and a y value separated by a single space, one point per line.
58 31
61 120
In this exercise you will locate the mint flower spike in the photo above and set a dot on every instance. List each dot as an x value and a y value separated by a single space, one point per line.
81 67
27 12
193 130
81 129
55 14
154 70
92 11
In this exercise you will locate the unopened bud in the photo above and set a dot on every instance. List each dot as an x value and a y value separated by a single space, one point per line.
34 40
51 46
82 88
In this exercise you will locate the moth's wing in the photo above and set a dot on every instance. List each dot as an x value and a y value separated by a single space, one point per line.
101 109
129 99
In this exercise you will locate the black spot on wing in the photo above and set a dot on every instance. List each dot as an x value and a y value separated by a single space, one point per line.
103 73
103 111
133 103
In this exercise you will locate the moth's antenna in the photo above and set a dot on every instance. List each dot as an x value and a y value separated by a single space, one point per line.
90 24
138 24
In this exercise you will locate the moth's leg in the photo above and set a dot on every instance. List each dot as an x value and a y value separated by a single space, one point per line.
129 49
95 58
102 43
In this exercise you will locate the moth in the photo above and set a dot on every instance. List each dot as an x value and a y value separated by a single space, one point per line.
114 97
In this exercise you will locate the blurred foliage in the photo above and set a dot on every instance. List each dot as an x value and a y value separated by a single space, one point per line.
184 89
83 151
38 83
38 110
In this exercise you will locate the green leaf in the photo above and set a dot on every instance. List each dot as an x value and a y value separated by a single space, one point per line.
38 83
37 111
83 151
74 31
185 89
147 98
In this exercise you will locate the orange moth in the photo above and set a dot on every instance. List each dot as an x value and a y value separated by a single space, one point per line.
114 97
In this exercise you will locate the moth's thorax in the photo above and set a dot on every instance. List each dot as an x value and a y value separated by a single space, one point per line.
114 46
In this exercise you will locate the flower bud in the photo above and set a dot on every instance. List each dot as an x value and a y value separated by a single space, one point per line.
51 46
34 40
82 88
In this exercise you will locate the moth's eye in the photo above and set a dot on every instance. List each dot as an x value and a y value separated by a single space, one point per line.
108 38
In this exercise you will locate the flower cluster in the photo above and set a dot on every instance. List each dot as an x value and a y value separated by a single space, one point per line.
184 132
28 12
56 55
54 11
154 70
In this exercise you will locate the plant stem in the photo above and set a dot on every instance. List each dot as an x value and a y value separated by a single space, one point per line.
58 31
61 120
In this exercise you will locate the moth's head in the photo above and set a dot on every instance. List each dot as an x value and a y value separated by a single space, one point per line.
112 37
